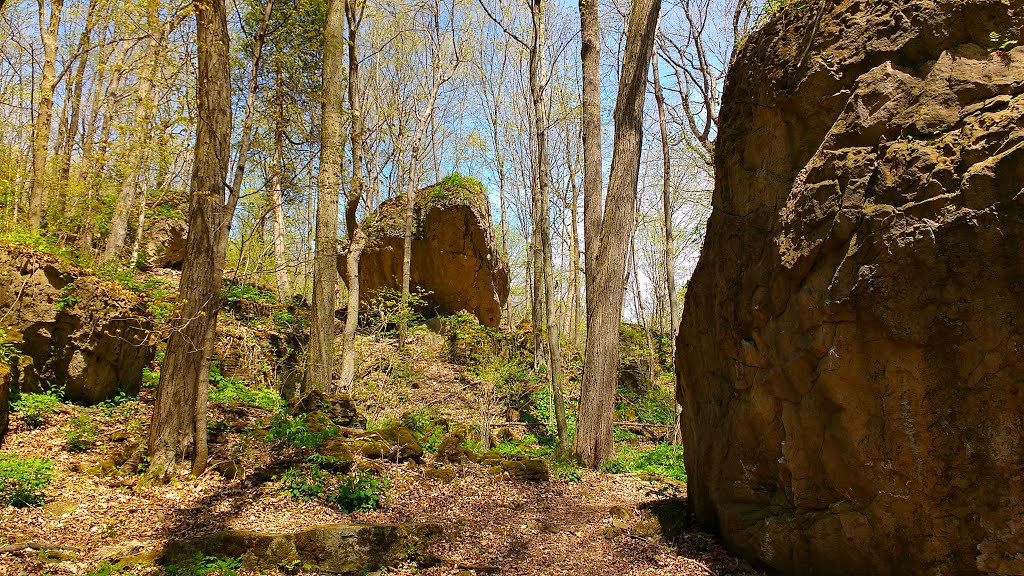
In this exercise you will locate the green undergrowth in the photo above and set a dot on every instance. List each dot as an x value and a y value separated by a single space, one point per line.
36 409
23 480
662 460
351 492
202 565
233 390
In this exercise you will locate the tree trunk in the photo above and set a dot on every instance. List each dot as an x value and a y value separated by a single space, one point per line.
41 138
590 56
143 114
179 415
666 197
84 45
320 360
277 198
605 290
356 238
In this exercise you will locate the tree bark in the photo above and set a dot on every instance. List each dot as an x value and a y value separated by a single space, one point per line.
179 414
41 138
356 237
277 197
606 289
666 197
590 56
320 359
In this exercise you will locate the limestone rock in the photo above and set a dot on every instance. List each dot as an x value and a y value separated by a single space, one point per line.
850 351
165 243
329 549
83 332
454 252
395 443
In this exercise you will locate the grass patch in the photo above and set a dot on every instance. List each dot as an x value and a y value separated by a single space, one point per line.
662 460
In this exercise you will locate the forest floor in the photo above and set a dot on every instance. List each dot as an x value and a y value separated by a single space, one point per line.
588 522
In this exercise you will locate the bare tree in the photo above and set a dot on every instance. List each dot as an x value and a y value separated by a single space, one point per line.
44 114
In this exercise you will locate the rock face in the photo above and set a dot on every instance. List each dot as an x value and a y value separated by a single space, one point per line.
81 332
331 549
853 339
165 243
454 253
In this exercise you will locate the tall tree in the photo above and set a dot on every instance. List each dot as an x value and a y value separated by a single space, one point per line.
666 197
179 415
44 113
606 290
357 239
320 358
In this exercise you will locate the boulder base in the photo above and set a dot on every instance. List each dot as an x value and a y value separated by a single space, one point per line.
851 348
329 549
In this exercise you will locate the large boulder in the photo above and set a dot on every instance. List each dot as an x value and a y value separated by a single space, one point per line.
165 242
851 349
83 333
454 254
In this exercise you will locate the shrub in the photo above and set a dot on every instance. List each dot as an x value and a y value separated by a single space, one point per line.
305 482
22 480
36 409
82 434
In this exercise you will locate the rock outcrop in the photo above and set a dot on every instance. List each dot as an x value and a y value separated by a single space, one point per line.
454 254
853 339
81 332
165 243
330 549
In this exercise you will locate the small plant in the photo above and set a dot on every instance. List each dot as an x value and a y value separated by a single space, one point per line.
8 350
566 469
360 490
202 565
68 298
35 409
305 482
1000 43
82 434
22 480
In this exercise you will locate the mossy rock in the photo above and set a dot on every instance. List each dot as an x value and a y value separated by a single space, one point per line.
339 409
396 443
453 449
337 456
440 475
529 470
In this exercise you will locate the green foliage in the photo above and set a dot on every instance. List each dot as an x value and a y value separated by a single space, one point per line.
8 349
35 409
81 434
655 406
233 292
287 321
428 427
22 480
999 42
359 490
662 460
68 298
388 310
233 390
299 431
566 469
40 242
202 565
